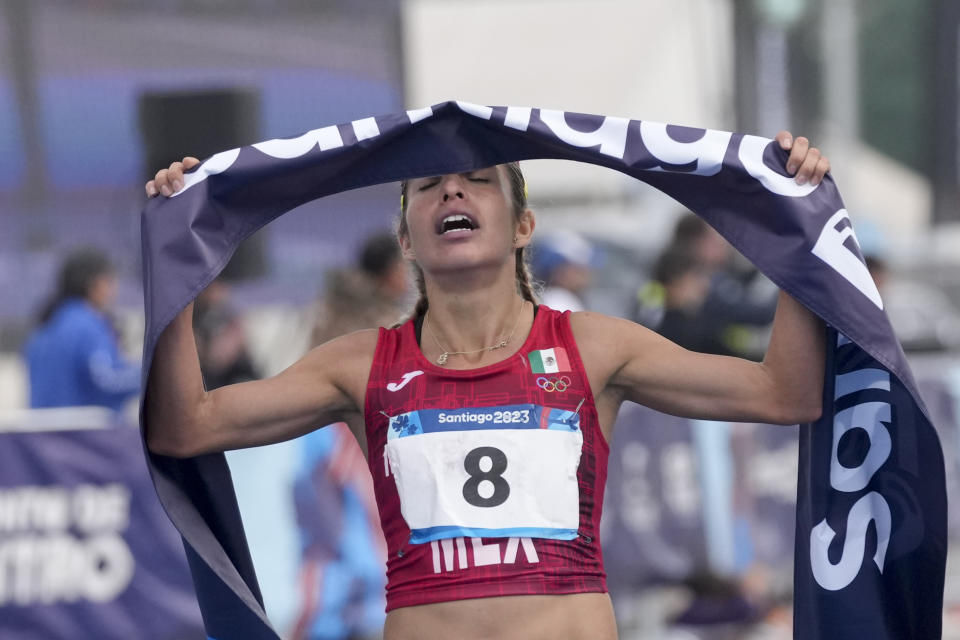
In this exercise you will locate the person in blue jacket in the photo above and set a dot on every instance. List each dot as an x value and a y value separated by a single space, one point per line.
73 355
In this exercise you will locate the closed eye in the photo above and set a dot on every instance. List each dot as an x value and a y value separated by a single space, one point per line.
477 177
432 182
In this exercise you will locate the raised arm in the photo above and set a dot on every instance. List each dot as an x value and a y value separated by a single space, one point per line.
633 363
183 420
644 367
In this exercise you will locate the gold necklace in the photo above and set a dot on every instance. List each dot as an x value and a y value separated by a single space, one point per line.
447 353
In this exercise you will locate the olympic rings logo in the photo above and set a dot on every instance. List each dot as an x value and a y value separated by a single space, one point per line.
553 384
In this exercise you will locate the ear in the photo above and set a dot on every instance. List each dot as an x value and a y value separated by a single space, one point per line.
523 233
406 249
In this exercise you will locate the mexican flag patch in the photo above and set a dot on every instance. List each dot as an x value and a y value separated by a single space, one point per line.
549 360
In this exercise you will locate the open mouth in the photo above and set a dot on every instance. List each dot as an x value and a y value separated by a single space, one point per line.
456 222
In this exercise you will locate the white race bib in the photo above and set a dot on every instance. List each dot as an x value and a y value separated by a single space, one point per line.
508 471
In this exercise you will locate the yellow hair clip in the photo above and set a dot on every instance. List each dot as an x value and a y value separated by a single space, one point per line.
401 202
526 191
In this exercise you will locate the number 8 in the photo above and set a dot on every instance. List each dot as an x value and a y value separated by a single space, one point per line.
471 488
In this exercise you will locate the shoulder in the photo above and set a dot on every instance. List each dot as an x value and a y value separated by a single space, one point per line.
350 347
610 341
343 363
590 325
75 322
76 316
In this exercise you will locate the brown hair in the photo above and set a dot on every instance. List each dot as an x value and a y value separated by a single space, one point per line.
518 193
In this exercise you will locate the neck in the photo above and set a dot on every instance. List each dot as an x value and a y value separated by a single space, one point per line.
468 314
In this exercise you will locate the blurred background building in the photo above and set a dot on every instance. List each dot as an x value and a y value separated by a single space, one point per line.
96 95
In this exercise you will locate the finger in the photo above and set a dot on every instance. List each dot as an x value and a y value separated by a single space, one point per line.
797 153
806 171
161 183
175 175
151 189
823 166
785 140
175 172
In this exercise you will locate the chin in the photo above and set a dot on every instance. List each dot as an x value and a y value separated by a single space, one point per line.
461 263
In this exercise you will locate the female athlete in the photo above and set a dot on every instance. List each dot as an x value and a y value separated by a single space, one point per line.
485 418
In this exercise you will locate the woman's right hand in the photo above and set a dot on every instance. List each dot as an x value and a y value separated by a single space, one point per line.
168 181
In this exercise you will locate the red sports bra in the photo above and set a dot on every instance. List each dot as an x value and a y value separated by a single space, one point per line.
489 481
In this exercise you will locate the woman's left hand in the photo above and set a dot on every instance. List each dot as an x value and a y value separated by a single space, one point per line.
806 163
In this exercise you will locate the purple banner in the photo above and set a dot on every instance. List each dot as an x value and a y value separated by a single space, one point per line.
86 550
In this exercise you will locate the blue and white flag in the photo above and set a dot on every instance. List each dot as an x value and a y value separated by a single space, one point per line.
871 516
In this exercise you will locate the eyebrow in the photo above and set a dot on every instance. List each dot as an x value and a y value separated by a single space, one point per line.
460 173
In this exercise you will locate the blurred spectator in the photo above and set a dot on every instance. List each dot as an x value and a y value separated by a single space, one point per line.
683 284
374 294
923 315
729 317
343 551
879 271
221 340
564 261
73 355
718 609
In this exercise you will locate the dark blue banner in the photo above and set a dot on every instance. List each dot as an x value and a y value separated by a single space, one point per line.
653 526
800 236
86 551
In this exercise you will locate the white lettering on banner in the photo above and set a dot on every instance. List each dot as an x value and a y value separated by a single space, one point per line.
111 566
64 545
42 508
831 249
847 383
483 554
518 118
773 473
872 417
62 568
639 508
611 135
285 148
101 508
707 152
212 166
416 115
325 138
751 156
681 489
366 128
476 109
833 577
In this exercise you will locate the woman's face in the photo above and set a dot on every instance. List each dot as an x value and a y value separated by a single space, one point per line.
462 220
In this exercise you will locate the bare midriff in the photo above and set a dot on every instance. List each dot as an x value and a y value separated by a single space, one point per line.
580 616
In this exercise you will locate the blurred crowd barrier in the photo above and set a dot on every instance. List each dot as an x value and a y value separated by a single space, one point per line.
86 550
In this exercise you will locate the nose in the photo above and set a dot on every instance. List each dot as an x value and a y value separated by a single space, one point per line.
451 188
